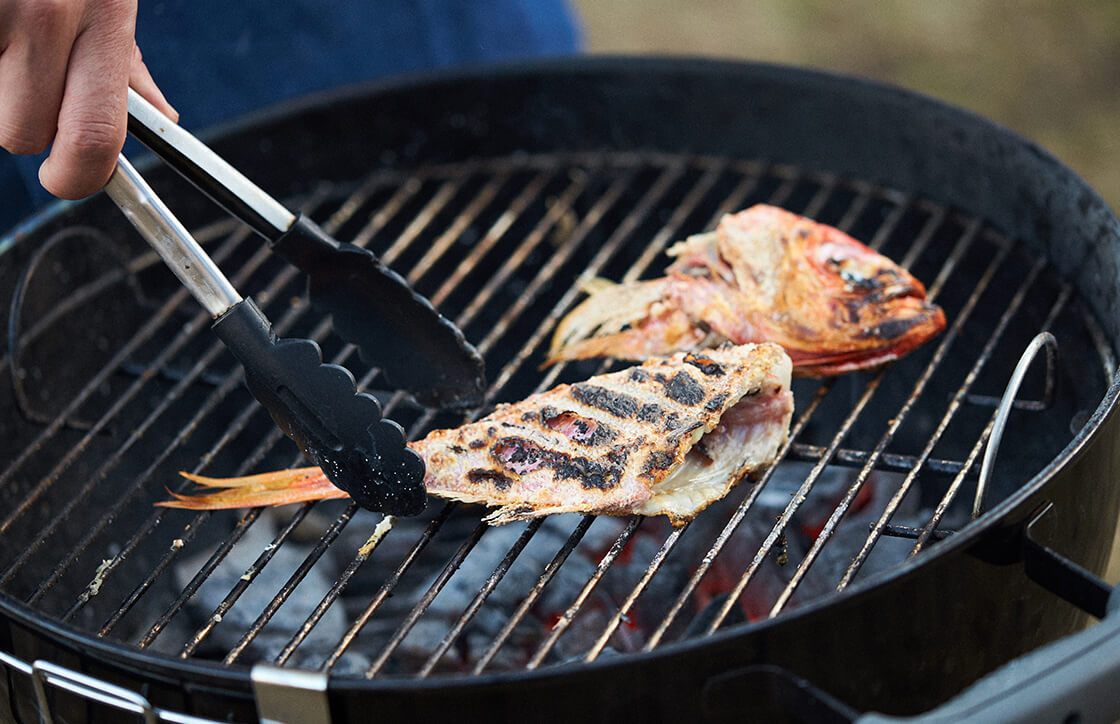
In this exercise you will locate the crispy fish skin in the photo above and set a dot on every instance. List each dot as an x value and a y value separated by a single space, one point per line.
764 275
605 445
668 437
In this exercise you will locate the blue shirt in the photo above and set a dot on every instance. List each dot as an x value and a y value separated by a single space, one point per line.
217 59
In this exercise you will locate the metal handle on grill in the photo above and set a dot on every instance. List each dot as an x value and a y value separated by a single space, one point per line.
317 405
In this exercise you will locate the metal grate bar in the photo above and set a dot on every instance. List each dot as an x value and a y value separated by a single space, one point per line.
778 530
192 586
187 332
461 223
290 585
425 601
725 534
534 593
387 211
641 210
389 585
624 229
476 603
929 530
379 532
442 197
624 608
494 234
891 462
245 580
569 615
954 405
896 421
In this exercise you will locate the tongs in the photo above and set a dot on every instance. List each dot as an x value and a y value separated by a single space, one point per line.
315 404
372 307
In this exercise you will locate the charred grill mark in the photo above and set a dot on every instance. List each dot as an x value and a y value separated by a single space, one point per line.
479 476
593 473
658 460
457 449
616 403
582 430
651 412
639 375
716 403
705 364
476 444
529 416
523 456
683 389
891 328
672 421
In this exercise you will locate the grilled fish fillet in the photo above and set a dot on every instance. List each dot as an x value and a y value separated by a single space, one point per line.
764 275
668 437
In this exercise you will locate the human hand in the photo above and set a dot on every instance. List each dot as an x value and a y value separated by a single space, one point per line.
65 69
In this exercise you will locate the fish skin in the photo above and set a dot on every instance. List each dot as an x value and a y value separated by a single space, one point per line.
599 446
764 275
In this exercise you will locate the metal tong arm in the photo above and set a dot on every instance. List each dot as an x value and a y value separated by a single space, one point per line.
171 240
206 169
317 405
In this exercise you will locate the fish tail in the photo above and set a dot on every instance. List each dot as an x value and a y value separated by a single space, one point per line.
281 487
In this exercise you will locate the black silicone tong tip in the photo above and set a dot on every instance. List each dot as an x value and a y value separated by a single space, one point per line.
357 290
318 407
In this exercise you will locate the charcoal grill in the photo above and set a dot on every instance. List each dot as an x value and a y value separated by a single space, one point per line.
496 192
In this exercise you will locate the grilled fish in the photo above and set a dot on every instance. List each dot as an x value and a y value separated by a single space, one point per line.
764 275
664 438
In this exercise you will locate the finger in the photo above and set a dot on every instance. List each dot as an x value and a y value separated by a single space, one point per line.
92 119
140 79
33 74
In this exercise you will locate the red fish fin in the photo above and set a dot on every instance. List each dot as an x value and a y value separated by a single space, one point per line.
277 488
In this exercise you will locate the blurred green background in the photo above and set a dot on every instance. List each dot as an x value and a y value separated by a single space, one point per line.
1048 70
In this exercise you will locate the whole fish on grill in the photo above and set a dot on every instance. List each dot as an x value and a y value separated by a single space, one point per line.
667 437
764 275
